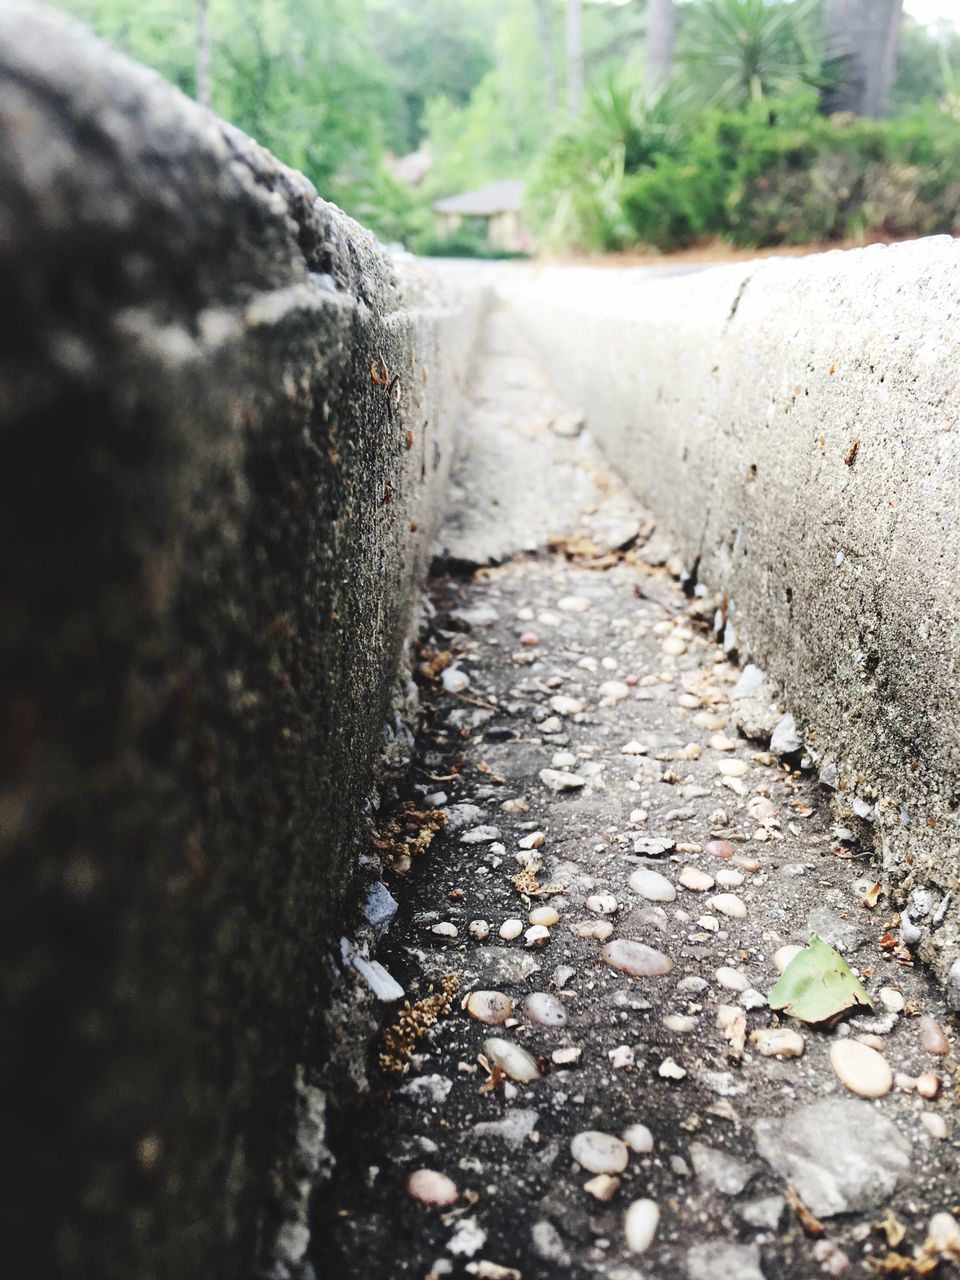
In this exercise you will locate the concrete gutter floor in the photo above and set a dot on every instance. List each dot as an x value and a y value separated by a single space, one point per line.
587 663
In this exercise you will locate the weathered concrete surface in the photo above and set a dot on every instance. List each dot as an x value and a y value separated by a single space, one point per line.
794 427
212 524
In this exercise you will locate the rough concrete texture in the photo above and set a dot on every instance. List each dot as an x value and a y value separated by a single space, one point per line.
225 423
794 427
590 773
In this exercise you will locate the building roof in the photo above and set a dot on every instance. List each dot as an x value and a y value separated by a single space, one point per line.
498 197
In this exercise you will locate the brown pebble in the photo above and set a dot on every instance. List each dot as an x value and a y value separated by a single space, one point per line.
932 1037
720 848
635 958
530 639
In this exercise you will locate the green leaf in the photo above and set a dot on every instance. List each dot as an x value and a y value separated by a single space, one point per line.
817 985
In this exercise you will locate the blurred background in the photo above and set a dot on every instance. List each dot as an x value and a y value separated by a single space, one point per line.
571 127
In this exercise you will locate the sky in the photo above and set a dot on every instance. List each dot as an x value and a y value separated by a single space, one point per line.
931 10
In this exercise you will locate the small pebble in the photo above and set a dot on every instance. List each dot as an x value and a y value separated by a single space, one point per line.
573 604
535 840
635 958
708 720
511 929
567 1056
732 979
598 930
652 886
640 1225
932 1037
696 880
536 935
728 878
614 690
634 749
512 1060
720 742
599 1152
544 915
444 929
603 1187
621 1058
565 706
670 1070
673 647
479 929
556 781
927 1085
777 1042
602 904
530 639
728 904
545 1009
638 1138
563 760
943 1234
679 1022
454 680
935 1125
891 999
783 955
734 768
861 1069
430 1187
719 848
489 1006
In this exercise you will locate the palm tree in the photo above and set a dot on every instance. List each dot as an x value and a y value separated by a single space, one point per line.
745 50
661 38
863 39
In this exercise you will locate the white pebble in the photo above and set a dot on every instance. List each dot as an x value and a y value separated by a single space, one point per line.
536 935
557 781
635 958
511 929
614 690
861 1069
634 748
652 886
670 1070
728 904
732 979
543 915
602 904
621 1058
673 647
545 1009
638 1138
599 1152
598 930
565 706
777 1042
783 955
679 1022
729 879
735 768
573 604
935 1125
567 1056
430 1187
535 840
891 999
603 1187
511 1059
489 1006
444 930
640 1225
720 742
479 929
454 680
696 880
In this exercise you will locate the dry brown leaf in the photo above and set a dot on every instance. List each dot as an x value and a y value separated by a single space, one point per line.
812 1226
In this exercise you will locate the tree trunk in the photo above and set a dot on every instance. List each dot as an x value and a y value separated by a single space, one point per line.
865 36
661 38
203 52
545 32
574 57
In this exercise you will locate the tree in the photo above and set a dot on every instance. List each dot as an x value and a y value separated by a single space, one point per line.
574 56
661 38
545 30
864 37
741 51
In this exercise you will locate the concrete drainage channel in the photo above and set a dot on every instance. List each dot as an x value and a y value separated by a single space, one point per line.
234 828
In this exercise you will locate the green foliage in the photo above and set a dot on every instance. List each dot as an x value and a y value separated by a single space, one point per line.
739 51
465 242
818 985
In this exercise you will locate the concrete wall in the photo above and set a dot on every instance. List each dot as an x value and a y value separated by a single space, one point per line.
795 427
212 525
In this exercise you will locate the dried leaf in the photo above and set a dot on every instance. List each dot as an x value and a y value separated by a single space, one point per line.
817 985
811 1225
892 1228
871 897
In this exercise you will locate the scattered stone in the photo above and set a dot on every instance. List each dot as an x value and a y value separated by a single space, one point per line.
535 840
943 1235
728 904
621 1058
511 1059
638 1138
444 929
468 1238
652 886
721 1260
514 1129
777 1042
764 1213
504 966
544 1008
732 979
557 781
510 929
727 878
424 1089
614 691
734 768
430 1187
861 1069
640 1225
681 1023
634 748
839 1155
692 985
602 904
674 647
785 739
653 846
783 955
719 1170
635 958
544 915
599 1152
454 680
480 835
573 604
489 1006
670 1070
891 999
566 706
719 848
536 936
603 1187
932 1038
598 930
720 742
927 1085
485 1270
831 1258
548 1244
696 880
568 1056
935 1125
